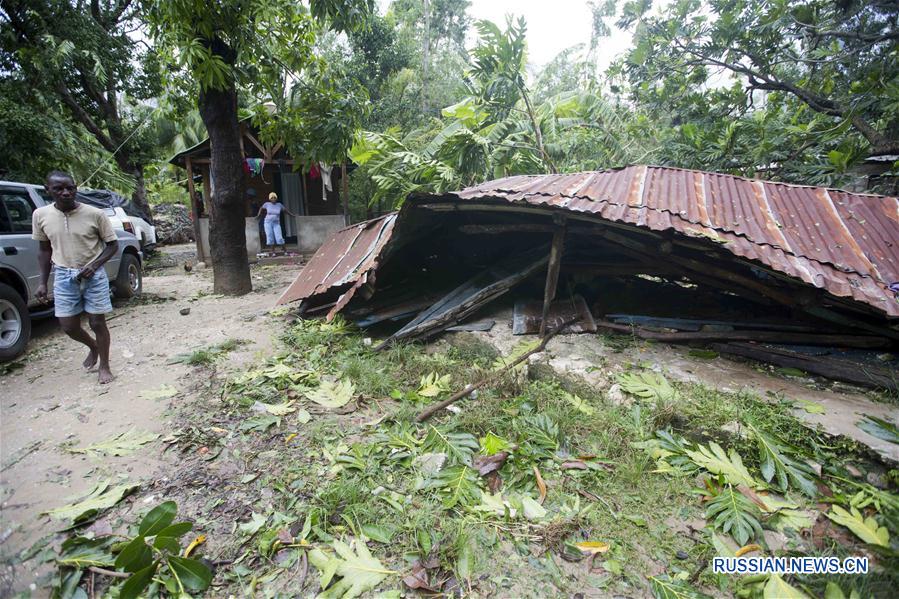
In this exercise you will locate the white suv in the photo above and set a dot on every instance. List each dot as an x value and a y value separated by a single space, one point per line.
144 231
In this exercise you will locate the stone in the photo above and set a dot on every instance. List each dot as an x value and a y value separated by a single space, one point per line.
616 396
184 311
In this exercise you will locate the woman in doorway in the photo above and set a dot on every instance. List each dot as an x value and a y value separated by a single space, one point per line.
272 210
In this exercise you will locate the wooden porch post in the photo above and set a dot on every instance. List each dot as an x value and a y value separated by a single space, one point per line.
552 270
195 208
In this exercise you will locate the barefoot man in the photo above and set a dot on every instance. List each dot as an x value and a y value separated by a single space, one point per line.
78 240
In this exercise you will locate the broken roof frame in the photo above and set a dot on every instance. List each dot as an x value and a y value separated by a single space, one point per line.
839 244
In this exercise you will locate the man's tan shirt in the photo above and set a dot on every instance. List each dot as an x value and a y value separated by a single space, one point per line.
77 237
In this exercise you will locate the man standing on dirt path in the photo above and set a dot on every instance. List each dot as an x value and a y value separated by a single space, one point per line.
78 240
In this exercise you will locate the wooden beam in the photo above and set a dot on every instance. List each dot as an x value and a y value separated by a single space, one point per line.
500 228
254 141
789 337
552 270
826 366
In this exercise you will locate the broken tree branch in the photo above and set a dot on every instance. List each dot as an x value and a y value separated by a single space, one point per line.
105 572
431 410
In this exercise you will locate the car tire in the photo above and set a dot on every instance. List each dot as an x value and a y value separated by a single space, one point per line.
129 282
15 324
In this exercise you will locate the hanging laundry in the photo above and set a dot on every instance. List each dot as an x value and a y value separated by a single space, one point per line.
326 176
246 166
313 172
256 165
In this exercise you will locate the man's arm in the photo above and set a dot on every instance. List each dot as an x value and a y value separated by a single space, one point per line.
104 229
91 267
44 256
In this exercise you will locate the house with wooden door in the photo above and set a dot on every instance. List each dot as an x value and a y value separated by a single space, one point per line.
313 193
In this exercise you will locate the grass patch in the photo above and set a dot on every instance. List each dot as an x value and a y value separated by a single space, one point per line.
207 356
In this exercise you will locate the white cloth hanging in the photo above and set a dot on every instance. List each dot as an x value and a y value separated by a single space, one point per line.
326 177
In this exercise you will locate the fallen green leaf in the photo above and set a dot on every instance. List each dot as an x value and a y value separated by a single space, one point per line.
359 572
812 407
492 444
647 385
867 529
580 404
193 574
880 428
102 497
433 385
119 445
777 588
256 522
331 394
715 460
161 392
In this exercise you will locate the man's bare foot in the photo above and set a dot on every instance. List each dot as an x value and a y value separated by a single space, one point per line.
91 360
105 375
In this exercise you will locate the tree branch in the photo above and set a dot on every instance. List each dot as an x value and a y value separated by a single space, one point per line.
758 80
84 118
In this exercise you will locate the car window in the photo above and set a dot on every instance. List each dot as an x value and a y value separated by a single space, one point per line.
109 211
17 209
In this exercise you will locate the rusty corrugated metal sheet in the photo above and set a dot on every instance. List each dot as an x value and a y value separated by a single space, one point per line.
845 243
345 258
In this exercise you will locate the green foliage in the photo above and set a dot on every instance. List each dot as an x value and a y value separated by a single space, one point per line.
715 460
81 77
359 572
880 428
153 553
647 385
826 73
867 529
456 485
776 464
732 513
459 447
665 587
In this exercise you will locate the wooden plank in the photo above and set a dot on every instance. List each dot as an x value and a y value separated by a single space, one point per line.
254 141
501 228
471 295
552 271
826 366
789 337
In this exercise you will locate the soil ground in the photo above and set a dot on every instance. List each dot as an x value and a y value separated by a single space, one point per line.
51 404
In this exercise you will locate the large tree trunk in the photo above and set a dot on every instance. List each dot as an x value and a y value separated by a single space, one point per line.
139 197
140 190
227 233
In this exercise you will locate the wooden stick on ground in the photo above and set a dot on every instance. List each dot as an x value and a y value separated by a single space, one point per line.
105 572
431 410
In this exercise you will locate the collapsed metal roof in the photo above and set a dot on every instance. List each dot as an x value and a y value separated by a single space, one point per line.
345 258
844 243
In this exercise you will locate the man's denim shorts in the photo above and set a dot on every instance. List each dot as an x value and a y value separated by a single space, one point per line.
72 297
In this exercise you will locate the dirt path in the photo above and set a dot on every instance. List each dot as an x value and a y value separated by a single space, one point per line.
50 404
